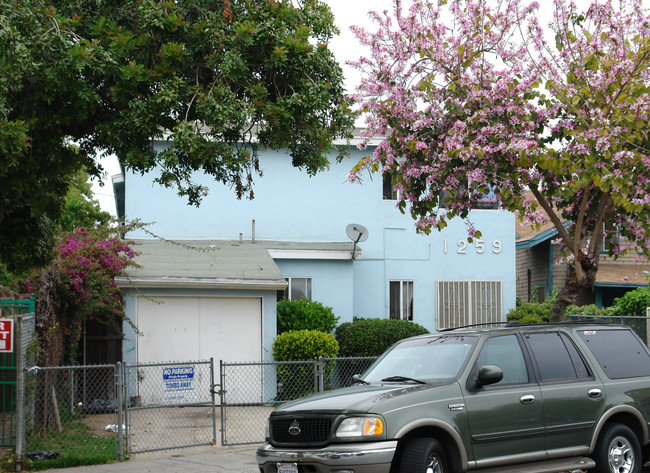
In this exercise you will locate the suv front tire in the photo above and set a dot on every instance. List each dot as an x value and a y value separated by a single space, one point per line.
423 455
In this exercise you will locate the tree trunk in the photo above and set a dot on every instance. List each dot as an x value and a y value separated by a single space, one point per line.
574 292
49 309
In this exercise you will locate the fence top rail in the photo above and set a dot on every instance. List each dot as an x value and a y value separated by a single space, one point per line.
595 318
70 367
298 362
351 358
269 363
168 363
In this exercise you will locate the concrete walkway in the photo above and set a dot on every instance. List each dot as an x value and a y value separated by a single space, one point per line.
201 459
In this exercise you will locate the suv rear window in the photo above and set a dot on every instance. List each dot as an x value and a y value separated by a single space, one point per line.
620 353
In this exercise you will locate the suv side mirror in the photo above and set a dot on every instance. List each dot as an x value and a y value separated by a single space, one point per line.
489 374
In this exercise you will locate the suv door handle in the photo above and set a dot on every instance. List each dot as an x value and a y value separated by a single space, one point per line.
595 392
528 399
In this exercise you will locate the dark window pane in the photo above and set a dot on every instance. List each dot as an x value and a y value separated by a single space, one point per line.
553 360
394 299
387 190
620 353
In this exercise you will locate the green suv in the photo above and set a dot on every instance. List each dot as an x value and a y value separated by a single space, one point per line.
517 398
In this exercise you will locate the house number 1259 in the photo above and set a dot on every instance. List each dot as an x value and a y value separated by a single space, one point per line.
479 245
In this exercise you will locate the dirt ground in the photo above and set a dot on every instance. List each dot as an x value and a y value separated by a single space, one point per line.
97 423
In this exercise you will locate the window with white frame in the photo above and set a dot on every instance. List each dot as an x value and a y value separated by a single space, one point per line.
468 302
611 232
297 288
400 304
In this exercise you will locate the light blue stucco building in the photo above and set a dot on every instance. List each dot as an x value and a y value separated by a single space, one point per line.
291 240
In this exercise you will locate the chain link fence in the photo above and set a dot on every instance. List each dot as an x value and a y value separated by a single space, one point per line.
250 391
70 415
169 405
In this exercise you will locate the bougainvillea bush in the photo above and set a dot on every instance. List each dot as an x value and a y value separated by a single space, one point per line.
79 285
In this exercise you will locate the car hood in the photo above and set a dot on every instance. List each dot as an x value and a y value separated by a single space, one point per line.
361 398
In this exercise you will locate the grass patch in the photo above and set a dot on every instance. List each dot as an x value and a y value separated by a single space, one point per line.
76 445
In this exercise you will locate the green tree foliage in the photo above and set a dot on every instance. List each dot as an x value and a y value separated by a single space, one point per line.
371 337
219 80
81 209
305 315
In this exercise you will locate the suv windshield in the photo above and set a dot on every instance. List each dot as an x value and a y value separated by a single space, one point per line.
429 359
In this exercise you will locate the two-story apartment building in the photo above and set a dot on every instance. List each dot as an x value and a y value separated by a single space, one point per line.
211 276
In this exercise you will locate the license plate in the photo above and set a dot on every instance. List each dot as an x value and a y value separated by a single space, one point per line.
287 468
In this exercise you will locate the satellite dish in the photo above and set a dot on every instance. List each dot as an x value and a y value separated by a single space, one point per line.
356 233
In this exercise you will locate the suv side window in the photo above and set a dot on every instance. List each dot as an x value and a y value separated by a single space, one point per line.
620 353
557 357
505 352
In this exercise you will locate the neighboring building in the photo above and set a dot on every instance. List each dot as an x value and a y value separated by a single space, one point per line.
291 241
541 268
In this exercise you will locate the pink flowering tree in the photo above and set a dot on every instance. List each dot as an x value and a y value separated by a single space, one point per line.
79 285
475 96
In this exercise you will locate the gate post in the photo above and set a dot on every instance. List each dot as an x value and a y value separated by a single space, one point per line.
222 399
319 371
214 415
119 387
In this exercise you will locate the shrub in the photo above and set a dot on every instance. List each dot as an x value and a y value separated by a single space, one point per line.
633 303
305 315
304 345
591 309
297 380
533 312
371 337
530 313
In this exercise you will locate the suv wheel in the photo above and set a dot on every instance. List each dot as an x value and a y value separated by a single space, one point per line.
423 455
617 451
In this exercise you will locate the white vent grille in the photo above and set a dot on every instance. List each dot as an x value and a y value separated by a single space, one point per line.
468 302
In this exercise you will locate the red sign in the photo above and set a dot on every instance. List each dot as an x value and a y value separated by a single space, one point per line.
6 336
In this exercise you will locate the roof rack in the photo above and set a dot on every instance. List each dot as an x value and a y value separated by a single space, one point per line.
516 323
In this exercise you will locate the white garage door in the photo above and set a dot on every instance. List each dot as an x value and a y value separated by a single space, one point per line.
199 328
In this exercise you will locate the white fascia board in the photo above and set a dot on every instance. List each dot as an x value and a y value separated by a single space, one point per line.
313 254
200 283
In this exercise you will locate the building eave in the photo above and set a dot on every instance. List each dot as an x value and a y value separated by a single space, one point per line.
201 283
313 254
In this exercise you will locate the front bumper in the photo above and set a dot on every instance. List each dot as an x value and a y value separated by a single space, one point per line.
374 457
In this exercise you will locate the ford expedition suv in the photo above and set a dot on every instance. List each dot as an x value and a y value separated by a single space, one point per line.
510 399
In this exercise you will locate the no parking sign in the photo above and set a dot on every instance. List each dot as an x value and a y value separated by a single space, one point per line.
6 335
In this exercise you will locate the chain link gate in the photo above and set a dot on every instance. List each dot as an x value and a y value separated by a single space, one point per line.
169 405
10 310
250 391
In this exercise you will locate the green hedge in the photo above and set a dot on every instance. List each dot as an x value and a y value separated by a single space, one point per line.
304 345
371 337
305 315
633 303
297 380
